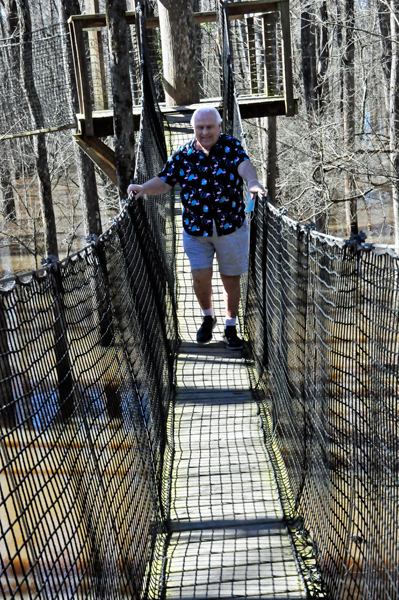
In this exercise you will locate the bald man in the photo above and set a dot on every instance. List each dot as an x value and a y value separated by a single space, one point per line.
211 169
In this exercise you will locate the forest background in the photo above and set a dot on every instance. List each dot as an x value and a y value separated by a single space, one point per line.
336 163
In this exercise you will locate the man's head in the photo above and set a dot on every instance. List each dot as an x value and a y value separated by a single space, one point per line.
207 126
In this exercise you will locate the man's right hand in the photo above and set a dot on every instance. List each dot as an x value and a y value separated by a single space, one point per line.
136 190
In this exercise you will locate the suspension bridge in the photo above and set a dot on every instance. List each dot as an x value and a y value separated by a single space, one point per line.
137 464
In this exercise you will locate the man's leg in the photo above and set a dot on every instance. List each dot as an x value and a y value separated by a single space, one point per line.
231 294
202 280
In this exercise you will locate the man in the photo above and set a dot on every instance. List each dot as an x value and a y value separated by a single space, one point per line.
211 169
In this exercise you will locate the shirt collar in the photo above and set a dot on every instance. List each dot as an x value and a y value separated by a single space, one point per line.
193 147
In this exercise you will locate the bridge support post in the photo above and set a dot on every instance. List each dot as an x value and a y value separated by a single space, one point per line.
6 392
61 350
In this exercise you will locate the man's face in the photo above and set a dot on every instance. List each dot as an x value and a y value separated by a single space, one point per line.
207 129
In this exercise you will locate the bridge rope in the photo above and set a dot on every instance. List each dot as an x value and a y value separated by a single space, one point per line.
87 371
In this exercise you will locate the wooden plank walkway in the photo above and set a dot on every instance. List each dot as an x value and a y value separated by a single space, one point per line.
228 539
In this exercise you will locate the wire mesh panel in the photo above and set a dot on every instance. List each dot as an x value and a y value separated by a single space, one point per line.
97 55
50 105
82 429
329 380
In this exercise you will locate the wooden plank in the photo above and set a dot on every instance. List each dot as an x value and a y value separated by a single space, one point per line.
100 153
255 107
266 566
75 57
250 535
251 107
265 588
82 77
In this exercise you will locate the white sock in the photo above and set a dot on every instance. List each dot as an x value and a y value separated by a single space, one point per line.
208 312
230 322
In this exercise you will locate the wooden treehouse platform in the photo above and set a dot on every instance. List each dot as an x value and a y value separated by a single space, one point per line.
228 537
95 121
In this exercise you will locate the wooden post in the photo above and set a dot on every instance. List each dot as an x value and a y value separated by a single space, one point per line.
97 60
61 349
252 55
82 75
287 58
7 408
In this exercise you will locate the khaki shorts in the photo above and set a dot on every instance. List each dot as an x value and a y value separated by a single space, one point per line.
231 251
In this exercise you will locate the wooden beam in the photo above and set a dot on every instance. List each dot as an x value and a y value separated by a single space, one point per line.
237 10
101 154
251 106
82 75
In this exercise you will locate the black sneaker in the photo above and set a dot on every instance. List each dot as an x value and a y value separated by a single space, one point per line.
231 338
204 333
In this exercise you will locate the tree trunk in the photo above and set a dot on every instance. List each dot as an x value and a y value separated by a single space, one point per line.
324 57
272 158
308 48
11 31
349 115
313 101
122 94
85 166
12 18
8 207
269 27
180 64
50 233
386 46
394 114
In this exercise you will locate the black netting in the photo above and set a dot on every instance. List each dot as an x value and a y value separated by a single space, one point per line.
98 63
50 106
322 320
87 358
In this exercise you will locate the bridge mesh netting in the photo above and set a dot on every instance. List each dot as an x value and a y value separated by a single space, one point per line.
87 350
44 102
322 321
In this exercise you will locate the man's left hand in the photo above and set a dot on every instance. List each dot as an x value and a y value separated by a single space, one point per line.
254 187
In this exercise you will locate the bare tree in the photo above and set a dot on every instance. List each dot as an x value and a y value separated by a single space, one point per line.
349 114
85 167
121 92
50 233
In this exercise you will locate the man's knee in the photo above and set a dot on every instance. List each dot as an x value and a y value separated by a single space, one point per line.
230 280
201 276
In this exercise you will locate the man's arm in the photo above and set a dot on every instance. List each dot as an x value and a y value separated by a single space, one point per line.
152 187
248 172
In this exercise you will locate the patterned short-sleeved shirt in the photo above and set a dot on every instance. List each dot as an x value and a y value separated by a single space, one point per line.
211 188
